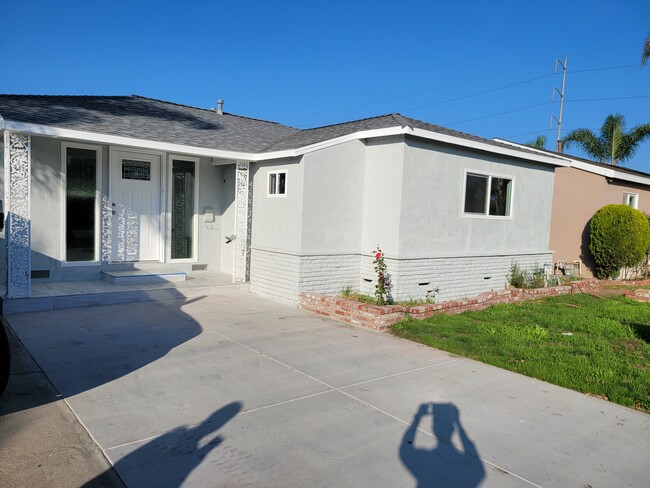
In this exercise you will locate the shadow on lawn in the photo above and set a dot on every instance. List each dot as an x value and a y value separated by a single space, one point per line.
642 331
443 465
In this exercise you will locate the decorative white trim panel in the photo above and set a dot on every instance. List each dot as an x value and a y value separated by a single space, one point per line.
243 221
17 154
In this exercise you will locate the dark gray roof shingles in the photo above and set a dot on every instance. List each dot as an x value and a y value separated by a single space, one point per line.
145 118
156 120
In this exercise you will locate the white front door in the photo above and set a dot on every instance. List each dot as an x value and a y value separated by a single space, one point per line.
135 187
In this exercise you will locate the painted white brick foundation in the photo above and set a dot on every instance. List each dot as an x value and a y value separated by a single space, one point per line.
281 276
449 278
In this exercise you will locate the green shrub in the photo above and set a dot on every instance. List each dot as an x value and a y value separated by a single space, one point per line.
521 278
518 277
619 237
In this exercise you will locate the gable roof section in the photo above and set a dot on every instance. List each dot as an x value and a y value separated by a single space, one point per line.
320 134
145 118
135 120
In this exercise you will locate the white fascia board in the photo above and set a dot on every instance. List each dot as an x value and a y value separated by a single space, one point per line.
221 155
78 135
611 173
425 134
593 168
481 146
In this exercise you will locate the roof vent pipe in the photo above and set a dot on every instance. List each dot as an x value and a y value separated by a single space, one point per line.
220 106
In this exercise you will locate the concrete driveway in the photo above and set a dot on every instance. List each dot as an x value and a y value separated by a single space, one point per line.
236 390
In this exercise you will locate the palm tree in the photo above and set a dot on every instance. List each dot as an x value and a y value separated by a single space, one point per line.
613 145
539 143
645 55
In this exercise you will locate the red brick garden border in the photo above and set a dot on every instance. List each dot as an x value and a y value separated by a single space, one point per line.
381 317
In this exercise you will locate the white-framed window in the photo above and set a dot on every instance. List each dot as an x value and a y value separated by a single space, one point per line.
81 166
487 195
277 183
631 199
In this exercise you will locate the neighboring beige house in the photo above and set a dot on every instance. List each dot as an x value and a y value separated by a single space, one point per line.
580 190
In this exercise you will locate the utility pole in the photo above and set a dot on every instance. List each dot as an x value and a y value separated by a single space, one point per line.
559 121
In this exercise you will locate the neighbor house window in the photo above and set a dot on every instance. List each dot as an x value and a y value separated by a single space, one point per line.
81 167
487 195
277 184
631 199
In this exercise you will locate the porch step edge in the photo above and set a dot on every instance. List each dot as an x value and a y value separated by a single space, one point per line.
141 277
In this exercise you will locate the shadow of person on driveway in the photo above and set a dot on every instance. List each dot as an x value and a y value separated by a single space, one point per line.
443 465
167 460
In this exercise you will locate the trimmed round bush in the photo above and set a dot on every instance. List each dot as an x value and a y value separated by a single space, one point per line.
619 237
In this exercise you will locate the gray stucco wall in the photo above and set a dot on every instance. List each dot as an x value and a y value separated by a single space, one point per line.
432 221
277 220
382 194
210 188
226 194
333 200
406 195
309 240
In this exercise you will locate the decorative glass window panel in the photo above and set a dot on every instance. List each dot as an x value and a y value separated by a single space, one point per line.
136 170
80 202
277 183
488 195
183 190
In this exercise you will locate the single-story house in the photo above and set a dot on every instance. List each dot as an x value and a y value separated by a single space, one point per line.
94 183
581 188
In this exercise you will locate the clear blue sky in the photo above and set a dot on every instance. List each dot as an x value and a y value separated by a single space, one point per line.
313 63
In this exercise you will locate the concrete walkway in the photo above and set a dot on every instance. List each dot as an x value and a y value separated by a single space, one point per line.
235 390
42 442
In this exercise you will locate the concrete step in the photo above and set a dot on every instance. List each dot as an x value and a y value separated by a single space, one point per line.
142 277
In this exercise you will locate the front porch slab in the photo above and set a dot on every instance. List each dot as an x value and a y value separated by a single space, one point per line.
76 294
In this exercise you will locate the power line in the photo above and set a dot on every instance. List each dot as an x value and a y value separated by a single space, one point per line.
608 98
478 93
520 109
463 97
497 114
607 68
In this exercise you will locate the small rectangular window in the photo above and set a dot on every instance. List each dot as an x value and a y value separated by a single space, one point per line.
488 195
631 199
277 184
136 170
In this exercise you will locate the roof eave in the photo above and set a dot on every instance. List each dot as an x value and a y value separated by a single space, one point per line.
73 134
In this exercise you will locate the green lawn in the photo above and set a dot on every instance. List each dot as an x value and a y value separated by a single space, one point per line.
598 346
